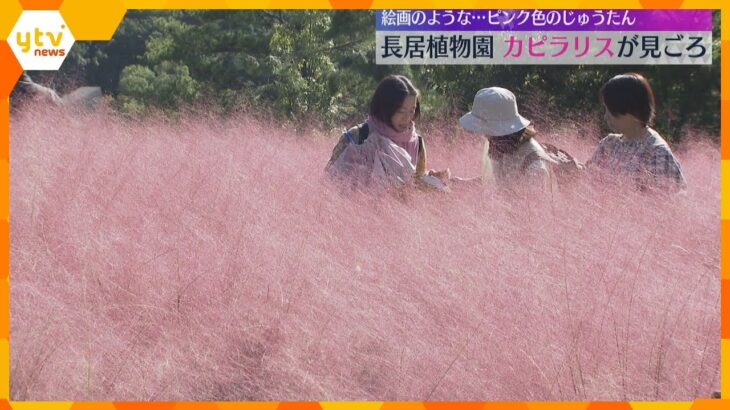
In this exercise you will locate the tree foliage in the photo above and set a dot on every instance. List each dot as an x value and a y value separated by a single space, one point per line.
320 64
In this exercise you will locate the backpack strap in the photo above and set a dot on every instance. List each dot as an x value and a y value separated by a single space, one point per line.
363 130
421 158
355 135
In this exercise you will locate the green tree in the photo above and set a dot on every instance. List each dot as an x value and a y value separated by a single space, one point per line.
319 64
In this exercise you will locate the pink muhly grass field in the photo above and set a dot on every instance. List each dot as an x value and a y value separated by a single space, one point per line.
210 259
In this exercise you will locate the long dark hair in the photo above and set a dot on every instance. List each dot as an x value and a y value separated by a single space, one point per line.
389 96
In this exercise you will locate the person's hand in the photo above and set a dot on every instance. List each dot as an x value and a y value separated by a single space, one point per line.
443 175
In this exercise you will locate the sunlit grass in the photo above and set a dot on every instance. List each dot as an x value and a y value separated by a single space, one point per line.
210 259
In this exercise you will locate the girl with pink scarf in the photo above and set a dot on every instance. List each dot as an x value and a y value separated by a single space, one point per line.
386 148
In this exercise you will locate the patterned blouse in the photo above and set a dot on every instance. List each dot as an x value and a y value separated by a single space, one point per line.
648 160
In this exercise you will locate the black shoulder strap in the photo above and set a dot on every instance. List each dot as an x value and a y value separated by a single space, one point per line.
363 130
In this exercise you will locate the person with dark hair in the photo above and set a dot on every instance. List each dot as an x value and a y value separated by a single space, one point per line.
636 150
386 147
511 152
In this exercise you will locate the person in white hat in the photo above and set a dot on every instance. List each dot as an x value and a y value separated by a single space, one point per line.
510 152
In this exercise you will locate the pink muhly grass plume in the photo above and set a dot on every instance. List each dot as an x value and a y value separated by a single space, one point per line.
211 259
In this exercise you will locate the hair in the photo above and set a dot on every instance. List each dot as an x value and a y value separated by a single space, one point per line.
522 135
508 144
389 96
629 93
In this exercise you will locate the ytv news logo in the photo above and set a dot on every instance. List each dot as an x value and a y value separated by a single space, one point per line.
40 40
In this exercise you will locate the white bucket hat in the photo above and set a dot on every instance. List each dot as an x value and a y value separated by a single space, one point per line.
494 113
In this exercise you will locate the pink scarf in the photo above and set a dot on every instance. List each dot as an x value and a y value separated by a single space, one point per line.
407 139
